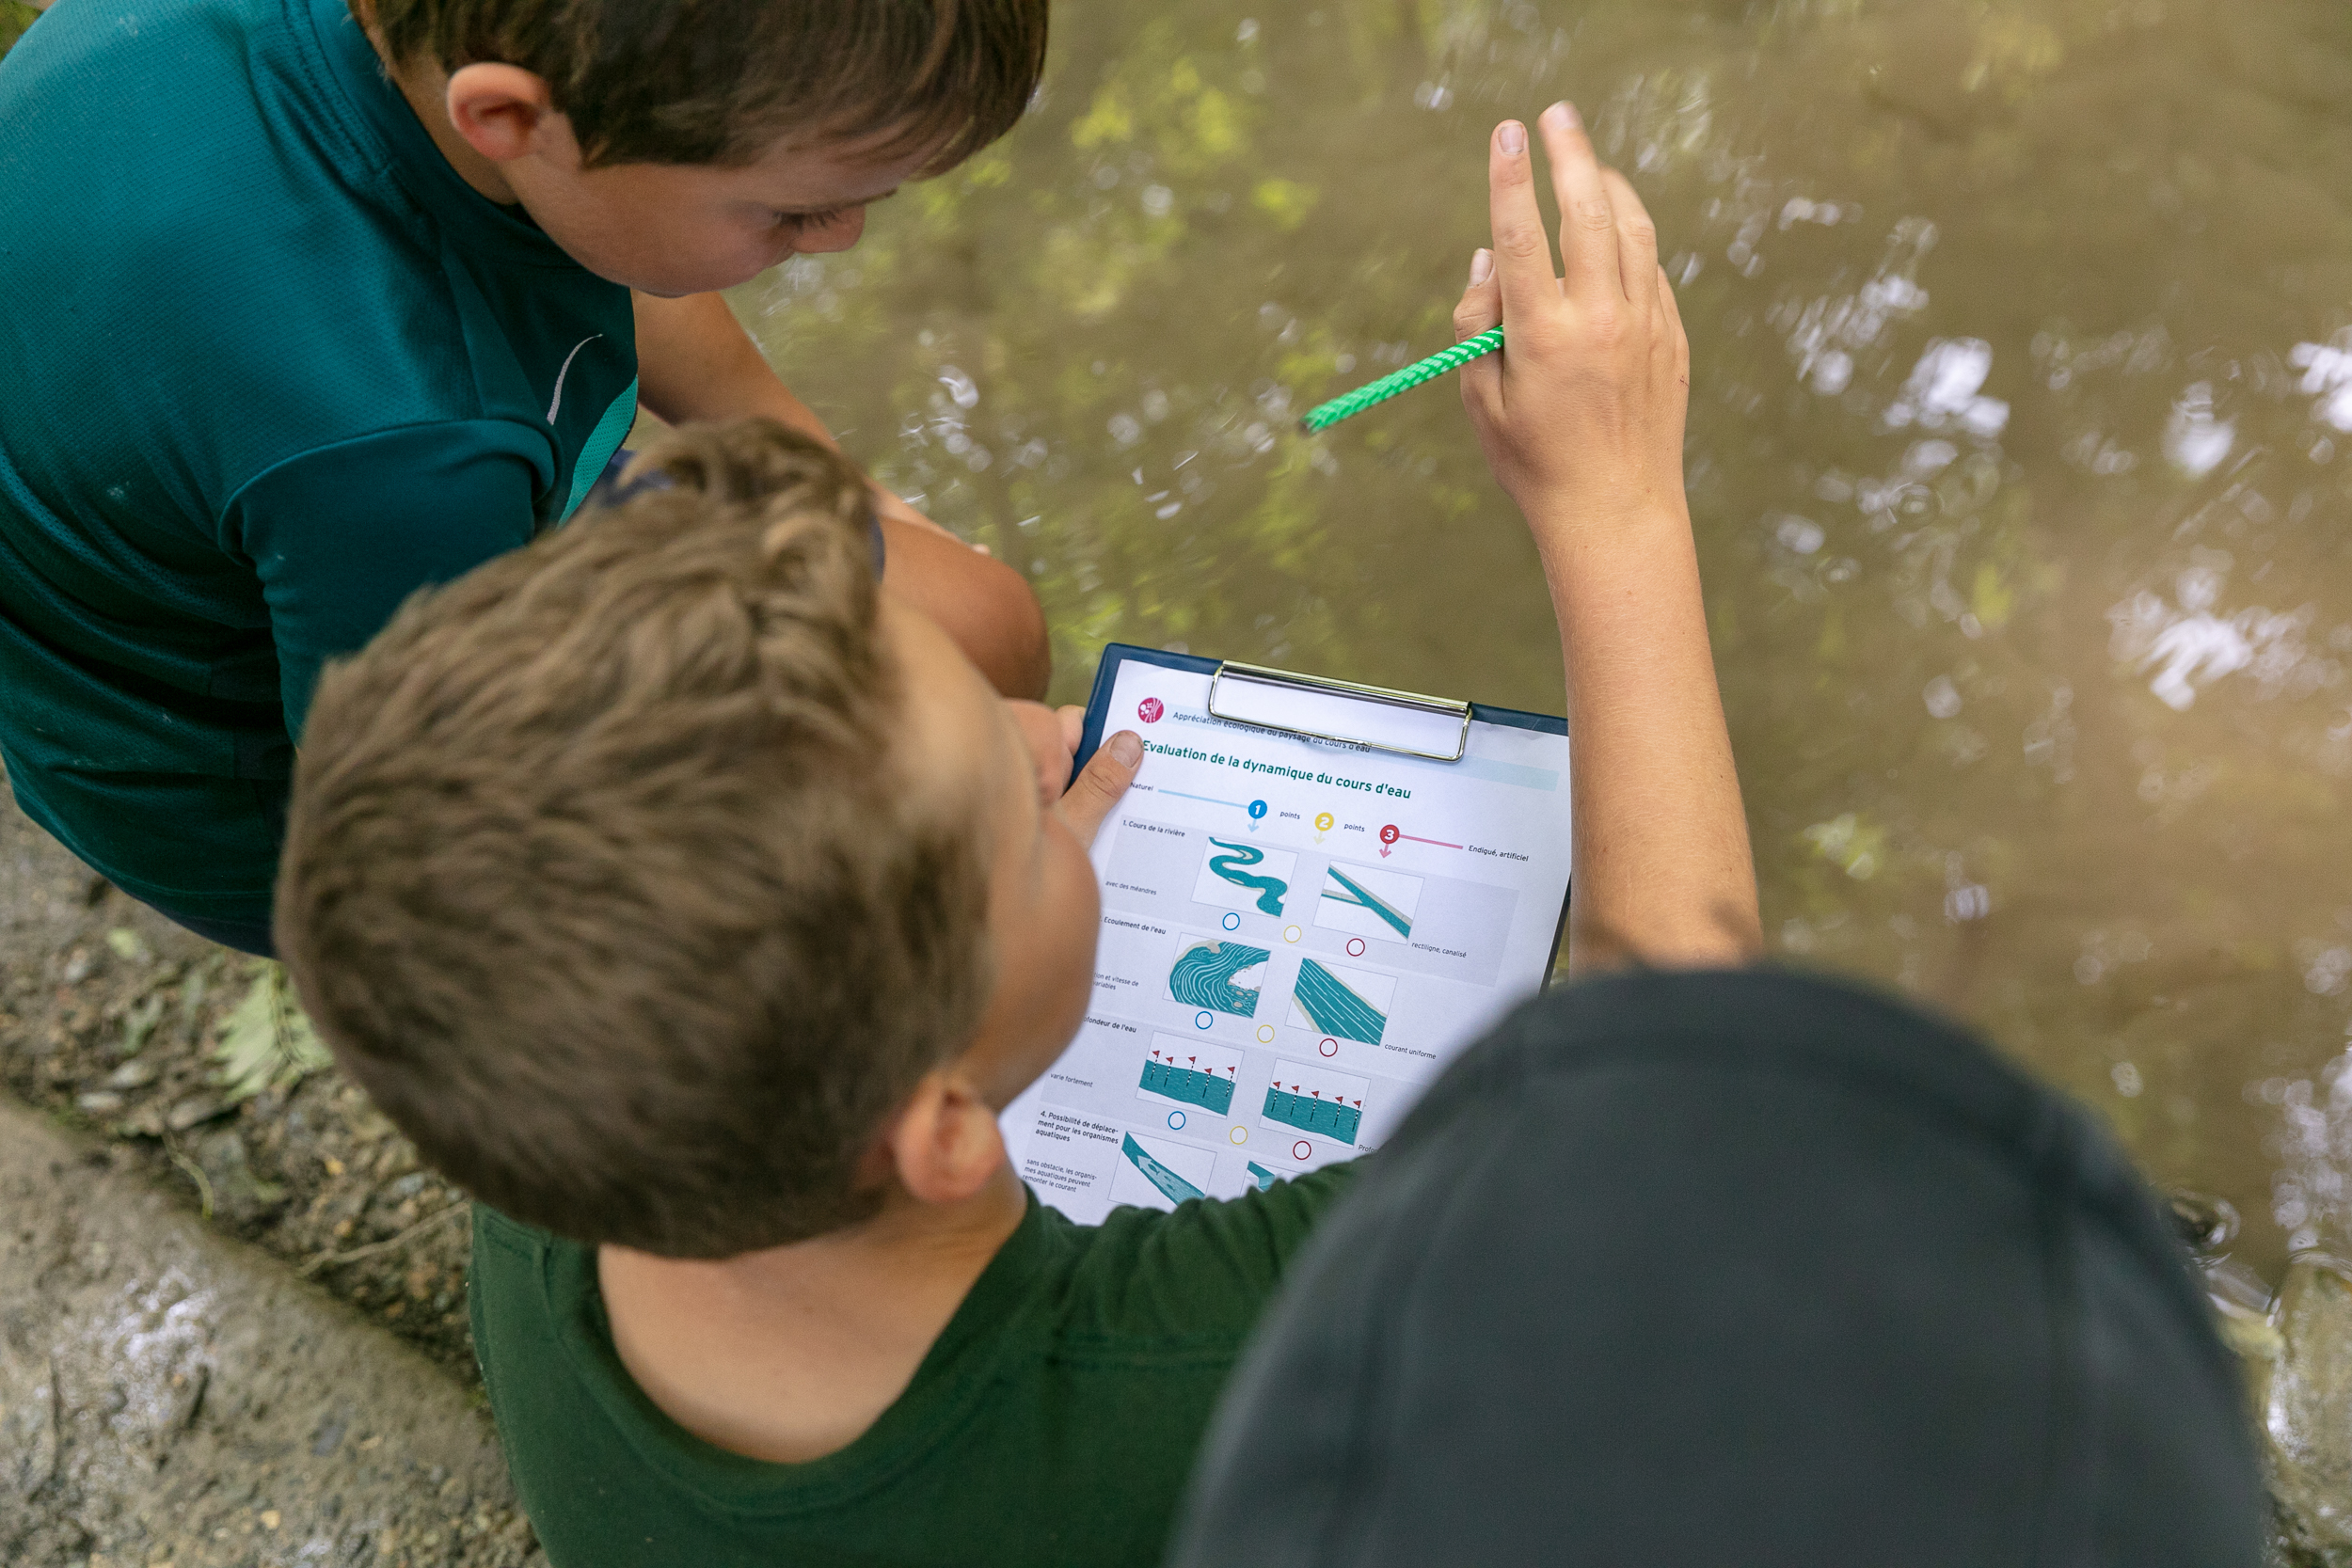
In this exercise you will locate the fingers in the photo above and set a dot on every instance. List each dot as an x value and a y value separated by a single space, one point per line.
1074 726
1522 253
1042 732
1588 224
1637 240
1673 309
1097 789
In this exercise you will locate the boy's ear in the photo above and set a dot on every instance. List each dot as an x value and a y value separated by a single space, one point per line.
499 108
944 1144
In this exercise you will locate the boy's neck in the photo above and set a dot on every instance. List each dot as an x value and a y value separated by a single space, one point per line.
791 1354
425 87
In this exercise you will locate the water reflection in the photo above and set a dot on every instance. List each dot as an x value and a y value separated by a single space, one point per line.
2023 354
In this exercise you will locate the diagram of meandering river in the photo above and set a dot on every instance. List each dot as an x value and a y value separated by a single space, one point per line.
1203 975
1232 865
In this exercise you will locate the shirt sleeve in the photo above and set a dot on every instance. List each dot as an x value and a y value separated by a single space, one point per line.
341 534
1207 1269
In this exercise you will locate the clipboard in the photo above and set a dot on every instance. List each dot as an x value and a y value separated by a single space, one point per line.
1391 716
1316 707
1318 895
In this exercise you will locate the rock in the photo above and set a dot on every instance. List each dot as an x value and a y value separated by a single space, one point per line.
2307 1415
98 1103
134 1074
194 1111
167 1396
240 1198
2205 1224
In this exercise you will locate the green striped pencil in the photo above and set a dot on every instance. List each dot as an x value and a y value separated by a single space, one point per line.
1325 414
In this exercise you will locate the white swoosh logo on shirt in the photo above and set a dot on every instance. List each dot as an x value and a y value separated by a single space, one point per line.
557 402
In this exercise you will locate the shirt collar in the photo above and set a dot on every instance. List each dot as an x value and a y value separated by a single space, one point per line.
389 134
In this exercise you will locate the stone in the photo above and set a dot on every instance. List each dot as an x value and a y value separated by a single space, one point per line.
2307 1414
193 1111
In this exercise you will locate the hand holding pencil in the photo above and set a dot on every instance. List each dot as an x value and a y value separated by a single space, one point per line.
1584 411
1614 308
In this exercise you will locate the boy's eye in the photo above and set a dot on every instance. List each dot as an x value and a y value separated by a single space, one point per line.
803 222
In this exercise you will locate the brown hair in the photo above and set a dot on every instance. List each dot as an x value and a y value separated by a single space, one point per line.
605 878
720 81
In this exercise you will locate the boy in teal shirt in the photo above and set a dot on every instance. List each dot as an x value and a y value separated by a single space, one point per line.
699 908
304 314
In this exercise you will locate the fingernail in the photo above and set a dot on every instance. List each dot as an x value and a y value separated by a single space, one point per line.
1568 111
1482 265
1127 747
1513 138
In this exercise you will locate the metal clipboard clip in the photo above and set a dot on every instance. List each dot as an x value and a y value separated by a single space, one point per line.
1437 728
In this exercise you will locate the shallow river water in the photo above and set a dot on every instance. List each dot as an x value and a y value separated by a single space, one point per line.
2020 451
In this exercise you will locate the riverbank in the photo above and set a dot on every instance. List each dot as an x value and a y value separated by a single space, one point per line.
170 1396
110 1017
231 1326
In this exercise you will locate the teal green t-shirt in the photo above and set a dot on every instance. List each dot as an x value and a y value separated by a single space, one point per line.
1053 1425
267 366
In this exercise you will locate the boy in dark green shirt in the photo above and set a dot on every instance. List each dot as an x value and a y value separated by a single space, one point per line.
699 907
304 314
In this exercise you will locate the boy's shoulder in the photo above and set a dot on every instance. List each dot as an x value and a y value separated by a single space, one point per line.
1083 1366
246 239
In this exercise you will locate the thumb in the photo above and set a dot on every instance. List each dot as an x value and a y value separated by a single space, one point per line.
1481 308
1098 788
1482 297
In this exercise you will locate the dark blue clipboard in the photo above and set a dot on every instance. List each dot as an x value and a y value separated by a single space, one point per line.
1118 654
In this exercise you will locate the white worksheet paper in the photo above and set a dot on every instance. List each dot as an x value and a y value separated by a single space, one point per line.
1298 935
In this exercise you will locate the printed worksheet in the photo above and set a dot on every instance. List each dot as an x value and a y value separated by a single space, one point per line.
1298 935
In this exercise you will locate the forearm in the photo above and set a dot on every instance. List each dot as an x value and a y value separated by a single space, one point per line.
1664 874
694 362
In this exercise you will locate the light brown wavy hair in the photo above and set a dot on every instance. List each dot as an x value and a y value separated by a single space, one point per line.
605 875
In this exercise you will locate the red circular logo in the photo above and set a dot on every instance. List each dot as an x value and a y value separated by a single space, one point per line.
1151 711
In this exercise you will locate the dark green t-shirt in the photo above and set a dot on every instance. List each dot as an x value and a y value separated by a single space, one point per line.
267 366
1052 1423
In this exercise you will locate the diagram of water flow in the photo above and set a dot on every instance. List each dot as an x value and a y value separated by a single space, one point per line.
1345 1004
1208 975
